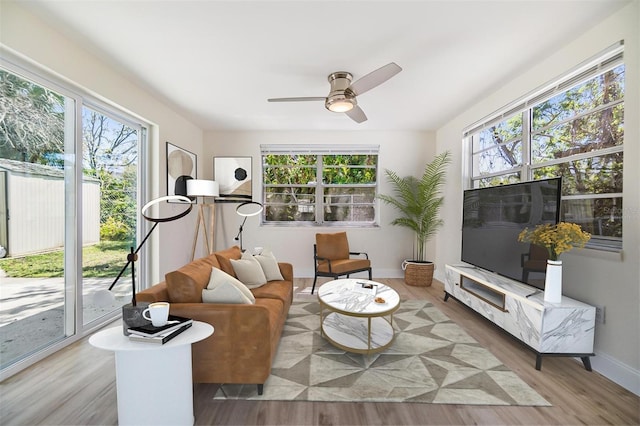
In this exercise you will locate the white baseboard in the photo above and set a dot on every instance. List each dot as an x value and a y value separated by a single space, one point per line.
622 374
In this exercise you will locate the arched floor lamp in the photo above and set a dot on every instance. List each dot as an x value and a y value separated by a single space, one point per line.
132 313
247 209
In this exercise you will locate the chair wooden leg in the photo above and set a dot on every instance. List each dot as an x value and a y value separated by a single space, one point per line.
314 283
369 274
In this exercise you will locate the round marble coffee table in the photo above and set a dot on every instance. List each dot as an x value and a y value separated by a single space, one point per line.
355 322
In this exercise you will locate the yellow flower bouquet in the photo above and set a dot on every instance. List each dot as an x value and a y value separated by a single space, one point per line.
556 239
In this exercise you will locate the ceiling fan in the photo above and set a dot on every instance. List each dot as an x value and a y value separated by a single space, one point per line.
343 93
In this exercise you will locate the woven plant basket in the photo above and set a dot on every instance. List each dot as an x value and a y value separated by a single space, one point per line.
416 273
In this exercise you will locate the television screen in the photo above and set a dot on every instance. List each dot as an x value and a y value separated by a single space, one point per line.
493 217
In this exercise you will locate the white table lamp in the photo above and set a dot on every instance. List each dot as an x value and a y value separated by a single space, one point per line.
204 188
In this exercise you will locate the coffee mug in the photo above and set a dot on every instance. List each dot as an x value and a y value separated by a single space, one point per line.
158 313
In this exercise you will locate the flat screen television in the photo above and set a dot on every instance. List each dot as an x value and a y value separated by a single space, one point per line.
493 217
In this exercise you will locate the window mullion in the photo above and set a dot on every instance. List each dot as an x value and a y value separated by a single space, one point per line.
319 189
526 173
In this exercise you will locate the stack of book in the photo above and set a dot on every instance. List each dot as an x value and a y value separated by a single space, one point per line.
160 335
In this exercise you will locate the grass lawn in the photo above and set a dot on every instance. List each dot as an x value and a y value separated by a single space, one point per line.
102 260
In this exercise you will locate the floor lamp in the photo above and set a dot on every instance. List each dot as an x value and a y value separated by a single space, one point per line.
204 188
247 209
132 313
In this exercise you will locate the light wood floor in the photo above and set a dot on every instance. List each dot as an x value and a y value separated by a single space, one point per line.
76 386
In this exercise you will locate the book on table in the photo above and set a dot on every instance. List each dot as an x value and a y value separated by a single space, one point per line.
365 288
174 322
163 338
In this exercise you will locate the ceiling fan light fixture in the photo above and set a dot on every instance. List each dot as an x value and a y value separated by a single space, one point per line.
342 96
340 105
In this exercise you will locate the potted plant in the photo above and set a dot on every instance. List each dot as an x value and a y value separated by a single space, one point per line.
556 239
419 201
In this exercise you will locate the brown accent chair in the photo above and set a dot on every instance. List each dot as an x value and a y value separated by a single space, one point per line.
332 257
533 261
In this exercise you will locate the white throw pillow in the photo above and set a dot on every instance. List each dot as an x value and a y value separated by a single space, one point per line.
269 265
223 288
249 271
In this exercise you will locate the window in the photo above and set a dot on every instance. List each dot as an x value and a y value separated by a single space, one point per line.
319 185
70 179
574 129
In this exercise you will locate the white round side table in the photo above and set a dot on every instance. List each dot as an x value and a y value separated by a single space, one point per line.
154 382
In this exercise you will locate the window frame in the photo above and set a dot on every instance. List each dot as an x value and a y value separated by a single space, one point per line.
605 61
318 187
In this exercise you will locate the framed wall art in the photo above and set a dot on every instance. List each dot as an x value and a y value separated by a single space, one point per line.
233 174
182 165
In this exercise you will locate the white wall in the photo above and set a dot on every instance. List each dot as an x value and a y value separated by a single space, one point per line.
26 35
594 277
404 152
607 280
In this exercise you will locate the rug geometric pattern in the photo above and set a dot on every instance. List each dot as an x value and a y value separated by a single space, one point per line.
432 360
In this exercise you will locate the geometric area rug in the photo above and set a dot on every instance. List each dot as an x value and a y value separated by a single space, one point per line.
432 360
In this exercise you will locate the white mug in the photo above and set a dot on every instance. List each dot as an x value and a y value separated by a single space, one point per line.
158 313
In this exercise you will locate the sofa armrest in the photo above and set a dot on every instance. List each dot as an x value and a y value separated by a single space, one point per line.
286 269
157 293
240 348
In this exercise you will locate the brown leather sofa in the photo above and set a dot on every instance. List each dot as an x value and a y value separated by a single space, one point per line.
246 336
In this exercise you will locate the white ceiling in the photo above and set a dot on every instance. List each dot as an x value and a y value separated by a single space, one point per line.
218 61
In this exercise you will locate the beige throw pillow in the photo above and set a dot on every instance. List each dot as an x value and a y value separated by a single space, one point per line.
223 288
269 265
249 271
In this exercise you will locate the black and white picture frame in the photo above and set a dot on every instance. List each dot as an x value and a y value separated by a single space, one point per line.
233 174
182 165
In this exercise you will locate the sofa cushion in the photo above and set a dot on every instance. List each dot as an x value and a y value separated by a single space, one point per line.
186 284
249 271
223 288
269 265
213 260
280 290
224 259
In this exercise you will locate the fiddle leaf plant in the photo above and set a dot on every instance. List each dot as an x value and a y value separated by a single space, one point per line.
419 200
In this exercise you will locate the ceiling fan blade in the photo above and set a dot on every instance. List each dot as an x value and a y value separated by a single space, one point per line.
375 78
296 99
357 114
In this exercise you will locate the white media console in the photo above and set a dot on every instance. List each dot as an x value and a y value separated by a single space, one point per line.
549 329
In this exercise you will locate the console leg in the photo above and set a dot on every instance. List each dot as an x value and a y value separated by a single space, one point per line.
538 362
587 362
446 296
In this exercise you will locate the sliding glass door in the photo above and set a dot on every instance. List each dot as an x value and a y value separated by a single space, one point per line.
69 197
36 159
109 218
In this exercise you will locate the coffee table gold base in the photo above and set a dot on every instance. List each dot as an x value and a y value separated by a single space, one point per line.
379 333
356 322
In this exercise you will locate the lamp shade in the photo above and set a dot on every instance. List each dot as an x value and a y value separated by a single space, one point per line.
249 208
341 105
203 188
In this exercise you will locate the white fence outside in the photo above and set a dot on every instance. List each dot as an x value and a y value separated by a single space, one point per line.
35 208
